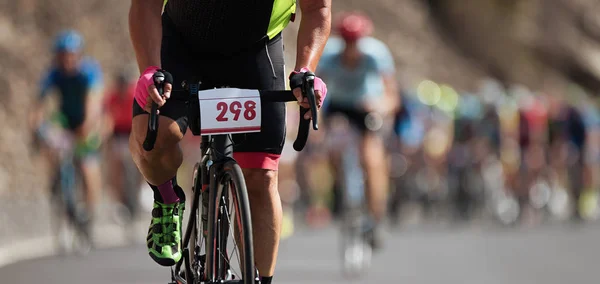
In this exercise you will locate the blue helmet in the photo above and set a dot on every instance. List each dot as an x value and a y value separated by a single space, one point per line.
69 41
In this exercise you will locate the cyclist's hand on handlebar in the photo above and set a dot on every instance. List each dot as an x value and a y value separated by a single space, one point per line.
320 90
146 92
155 96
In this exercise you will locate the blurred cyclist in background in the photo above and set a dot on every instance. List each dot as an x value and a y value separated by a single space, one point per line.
463 160
124 176
361 74
567 138
405 148
588 204
533 142
78 81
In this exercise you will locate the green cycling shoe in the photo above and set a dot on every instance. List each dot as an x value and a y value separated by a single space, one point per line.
164 234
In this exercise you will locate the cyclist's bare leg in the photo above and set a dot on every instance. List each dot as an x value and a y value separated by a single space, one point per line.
91 174
376 179
115 171
159 165
266 211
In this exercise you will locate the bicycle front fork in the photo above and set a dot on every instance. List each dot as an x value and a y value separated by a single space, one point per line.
200 183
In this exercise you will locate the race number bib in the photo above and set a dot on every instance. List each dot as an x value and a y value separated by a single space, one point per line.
229 110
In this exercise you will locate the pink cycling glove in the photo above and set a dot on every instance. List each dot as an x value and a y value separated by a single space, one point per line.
141 89
320 86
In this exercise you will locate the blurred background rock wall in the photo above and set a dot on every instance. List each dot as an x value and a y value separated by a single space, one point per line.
543 44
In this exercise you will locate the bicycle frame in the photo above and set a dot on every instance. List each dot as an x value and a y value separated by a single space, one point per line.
66 180
68 183
216 150
350 165
63 143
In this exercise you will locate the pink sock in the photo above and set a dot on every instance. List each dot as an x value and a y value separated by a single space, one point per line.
167 192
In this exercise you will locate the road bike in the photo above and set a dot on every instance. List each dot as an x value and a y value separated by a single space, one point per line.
71 217
356 227
219 223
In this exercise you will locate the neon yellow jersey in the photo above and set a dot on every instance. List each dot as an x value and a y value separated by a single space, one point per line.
229 22
283 11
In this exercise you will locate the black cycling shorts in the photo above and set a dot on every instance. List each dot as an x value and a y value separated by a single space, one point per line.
259 67
355 116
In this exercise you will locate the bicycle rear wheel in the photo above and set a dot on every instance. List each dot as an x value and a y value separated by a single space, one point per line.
194 235
356 252
230 212
72 227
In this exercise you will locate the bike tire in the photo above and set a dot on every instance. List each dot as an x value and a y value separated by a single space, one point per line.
82 214
231 188
59 219
355 252
196 240
71 217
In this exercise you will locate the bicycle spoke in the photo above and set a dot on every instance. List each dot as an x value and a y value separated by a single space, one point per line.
235 245
234 233
200 245
234 271
224 253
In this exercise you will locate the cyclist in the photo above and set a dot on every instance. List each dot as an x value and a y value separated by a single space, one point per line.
227 43
78 80
462 159
533 142
361 71
118 105
567 134
405 149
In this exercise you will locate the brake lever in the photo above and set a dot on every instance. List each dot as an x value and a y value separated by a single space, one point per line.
308 89
152 131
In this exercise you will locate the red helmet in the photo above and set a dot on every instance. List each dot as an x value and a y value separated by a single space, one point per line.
353 26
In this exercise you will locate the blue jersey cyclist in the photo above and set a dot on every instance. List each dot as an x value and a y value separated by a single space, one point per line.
360 74
76 78
77 81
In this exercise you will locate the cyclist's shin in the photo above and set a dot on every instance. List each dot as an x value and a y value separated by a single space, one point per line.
168 192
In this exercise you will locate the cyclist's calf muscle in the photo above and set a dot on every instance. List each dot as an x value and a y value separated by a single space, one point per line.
160 164
267 213
90 171
374 164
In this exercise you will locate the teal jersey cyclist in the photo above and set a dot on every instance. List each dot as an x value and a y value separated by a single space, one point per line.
222 43
360 72
353 87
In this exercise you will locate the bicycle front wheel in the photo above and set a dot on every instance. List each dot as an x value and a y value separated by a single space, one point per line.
231 216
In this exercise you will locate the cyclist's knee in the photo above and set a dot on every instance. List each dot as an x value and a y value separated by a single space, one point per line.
372 151
90 170
169 135
260 181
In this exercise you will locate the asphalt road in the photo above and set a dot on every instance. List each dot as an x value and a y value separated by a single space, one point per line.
546 254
